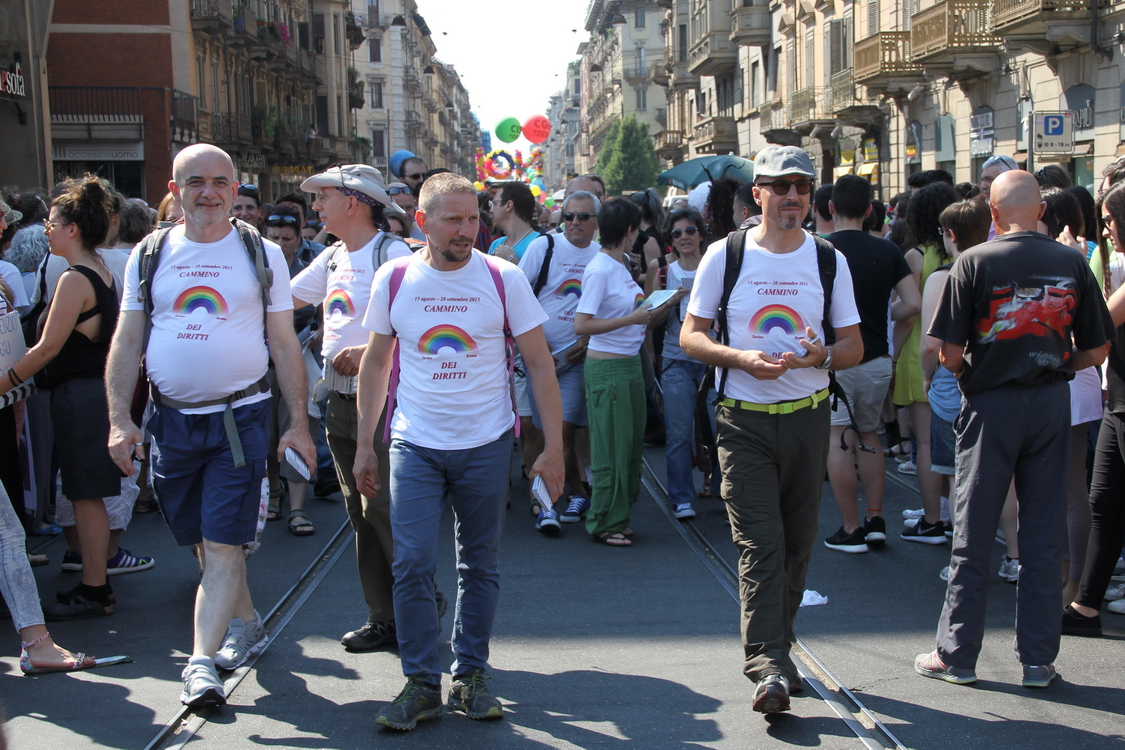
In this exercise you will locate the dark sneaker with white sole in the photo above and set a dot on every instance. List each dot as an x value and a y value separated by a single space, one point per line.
418 701
875 530
925 533
771 696
469 693
842 541
548 522
1038 677
371 636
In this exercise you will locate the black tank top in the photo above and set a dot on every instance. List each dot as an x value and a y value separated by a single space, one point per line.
80 357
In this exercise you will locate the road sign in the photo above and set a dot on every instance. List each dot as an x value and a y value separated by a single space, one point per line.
1054 132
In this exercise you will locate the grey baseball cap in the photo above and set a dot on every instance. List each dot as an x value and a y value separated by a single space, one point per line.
779 161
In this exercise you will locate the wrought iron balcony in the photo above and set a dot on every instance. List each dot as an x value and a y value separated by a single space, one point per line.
884 56
809 106
846 99
185 117
231 129
952 27
212 15
750 25
716 135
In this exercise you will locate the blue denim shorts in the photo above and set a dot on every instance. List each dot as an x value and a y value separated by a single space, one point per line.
202 493
943 446
572 386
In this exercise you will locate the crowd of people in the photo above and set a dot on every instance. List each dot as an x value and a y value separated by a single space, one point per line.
391 340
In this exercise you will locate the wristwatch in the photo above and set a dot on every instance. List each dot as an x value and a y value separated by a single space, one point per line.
827 363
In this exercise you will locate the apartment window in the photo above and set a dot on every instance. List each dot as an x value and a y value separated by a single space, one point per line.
337 48
340 130
372 11
570 150
378 144
375 50
577 87
377 95
810 58
642 97
201 74
322 114
755 93
682 56
318 33
215 85
641 61
639 18
725 93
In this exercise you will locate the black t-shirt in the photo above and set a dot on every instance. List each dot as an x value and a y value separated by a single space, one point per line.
1014 303
876 266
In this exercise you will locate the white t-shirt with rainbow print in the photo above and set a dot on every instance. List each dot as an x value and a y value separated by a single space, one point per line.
776 296
563 290
345 292
453 391
208 333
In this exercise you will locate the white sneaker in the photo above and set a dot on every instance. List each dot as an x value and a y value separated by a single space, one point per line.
1117 607
907 468
914 513
244 639
1010 570
1115 592
202 686
944 574
684 511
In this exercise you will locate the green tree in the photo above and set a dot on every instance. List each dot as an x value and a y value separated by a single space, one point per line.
628 160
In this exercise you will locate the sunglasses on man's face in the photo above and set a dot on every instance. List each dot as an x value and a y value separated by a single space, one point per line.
782 187
416 176
689 231
581 217
282 219
398 190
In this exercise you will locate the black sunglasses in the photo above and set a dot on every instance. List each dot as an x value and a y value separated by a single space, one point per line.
283 219
415 176
689 231
571 216
398 190
781 187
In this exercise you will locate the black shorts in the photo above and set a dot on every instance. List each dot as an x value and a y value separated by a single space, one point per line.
80 416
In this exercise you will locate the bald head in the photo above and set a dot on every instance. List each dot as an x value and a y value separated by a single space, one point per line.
201 156
581 183
1015 202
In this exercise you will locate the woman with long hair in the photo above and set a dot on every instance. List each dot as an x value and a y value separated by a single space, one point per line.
649 244
611 313
70 357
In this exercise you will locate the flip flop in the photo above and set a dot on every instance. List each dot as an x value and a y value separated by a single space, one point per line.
48 530
81 661
613 539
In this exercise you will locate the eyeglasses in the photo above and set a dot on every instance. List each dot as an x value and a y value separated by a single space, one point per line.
48 225
415 176
1107 219
781 187
399 190
283 219
581 217
689 231
945 231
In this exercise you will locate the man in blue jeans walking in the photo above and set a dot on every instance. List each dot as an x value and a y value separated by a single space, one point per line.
449 308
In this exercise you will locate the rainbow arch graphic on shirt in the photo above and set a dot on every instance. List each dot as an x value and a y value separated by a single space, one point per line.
338 301
570 287
639 300
777 316
445 335
198 297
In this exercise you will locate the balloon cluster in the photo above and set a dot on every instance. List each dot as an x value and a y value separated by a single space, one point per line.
535 129
501 166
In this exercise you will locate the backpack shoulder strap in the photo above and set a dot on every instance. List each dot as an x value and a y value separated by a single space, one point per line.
826 265
379 252
397 274
509 340
333 254
735 247
544 269
149 250
662 270
253 242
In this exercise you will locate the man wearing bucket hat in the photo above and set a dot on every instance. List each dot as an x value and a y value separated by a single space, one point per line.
352 201
768 287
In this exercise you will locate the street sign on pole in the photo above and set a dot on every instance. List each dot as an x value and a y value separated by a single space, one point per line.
1053 132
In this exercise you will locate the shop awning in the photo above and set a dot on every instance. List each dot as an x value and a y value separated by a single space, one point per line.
846 169
869 168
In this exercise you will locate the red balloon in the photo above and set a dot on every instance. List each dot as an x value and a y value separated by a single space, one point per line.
536 128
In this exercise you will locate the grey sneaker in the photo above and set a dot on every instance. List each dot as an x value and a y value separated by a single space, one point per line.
771 696
1010 570
244 639
202 686
931 665
417 702
470 694
1038 677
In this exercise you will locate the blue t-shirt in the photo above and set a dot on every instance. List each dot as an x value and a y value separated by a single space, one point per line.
520 247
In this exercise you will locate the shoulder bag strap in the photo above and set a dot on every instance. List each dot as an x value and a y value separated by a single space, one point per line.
509 340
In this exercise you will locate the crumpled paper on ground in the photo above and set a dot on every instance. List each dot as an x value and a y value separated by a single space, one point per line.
813 599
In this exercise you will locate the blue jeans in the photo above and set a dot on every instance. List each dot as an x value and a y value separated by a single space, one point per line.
17 583
680 382
475 480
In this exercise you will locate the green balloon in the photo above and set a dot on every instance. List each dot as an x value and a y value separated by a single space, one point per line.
508 129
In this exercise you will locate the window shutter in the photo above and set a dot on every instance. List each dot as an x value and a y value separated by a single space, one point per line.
791 66
872 17
848 40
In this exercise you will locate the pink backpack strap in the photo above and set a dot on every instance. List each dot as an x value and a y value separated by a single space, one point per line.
509 340
397 275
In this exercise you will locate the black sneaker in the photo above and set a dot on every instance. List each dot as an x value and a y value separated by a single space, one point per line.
469 693
925 533
77 607
326 484
371 636
842 541
1074 623
875 530
418 701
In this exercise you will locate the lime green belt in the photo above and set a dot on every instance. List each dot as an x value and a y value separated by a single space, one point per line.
785 407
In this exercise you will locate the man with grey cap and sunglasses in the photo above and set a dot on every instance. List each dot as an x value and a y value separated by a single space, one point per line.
993 167
772 414
352 201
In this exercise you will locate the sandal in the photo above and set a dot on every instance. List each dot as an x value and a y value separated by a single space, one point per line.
37 561
299 523
273 512
81 661
897 449
613 539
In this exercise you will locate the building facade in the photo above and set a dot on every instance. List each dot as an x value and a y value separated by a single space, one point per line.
24 160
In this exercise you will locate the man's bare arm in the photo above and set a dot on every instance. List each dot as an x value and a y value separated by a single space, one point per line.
122 369
374 372
285 350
